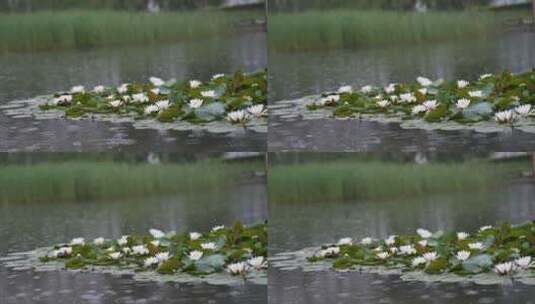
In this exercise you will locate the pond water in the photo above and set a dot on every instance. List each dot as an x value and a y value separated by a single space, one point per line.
294 75
27 75
28 226
296 226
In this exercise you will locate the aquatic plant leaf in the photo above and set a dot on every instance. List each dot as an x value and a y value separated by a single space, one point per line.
210 111
478 111
478 263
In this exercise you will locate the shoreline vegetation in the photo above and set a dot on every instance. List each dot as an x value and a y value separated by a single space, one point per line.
351 28
81 29
99 180
363 180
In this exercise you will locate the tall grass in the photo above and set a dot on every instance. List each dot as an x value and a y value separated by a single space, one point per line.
334 29
82 29
374 180
86 180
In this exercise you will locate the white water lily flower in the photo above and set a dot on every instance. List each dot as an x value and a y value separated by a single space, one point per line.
157 234
151 109
345 241
390 89
194 236
126 98
383 103
123 240
257 110
239 268
99 89
62 252
330 99
155 91
77 241
126 250
208 94
122 89
504 268
461 84
418 109
503 117
475 246
390 240
424 82
393 250
418 261
423 243
195 255
330 252
366 241
194 84
463 255
195 103
463 103
407 97
424 233
162 256
478 94
162 104
462 236
157 82
217 76
141 98
407 250
366 89
115 255
217 228
423 91
523 110
523 262
485 76
155 243
378 248
394 98
345 90
485 228
77 89
208 246
140 250
98 241
257 262
430 256
62 100
430 105
149 262
116 103
239 116
383 255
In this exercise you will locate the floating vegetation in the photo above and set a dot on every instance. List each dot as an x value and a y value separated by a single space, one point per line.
238 98
505 251
493 103
236 251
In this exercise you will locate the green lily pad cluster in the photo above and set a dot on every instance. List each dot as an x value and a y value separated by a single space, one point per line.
505 98
238 250
237 98
506 250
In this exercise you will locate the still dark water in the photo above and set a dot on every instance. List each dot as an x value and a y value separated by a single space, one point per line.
294 75
24 76
28 226
295 226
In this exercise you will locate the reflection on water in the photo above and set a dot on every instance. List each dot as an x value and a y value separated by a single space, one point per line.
31 74
27 226
295 226
294 75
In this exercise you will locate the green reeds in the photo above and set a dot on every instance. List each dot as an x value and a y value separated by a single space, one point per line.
74 29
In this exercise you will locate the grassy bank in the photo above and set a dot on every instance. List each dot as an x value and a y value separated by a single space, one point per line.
83 28
86 180
373 180
334 29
